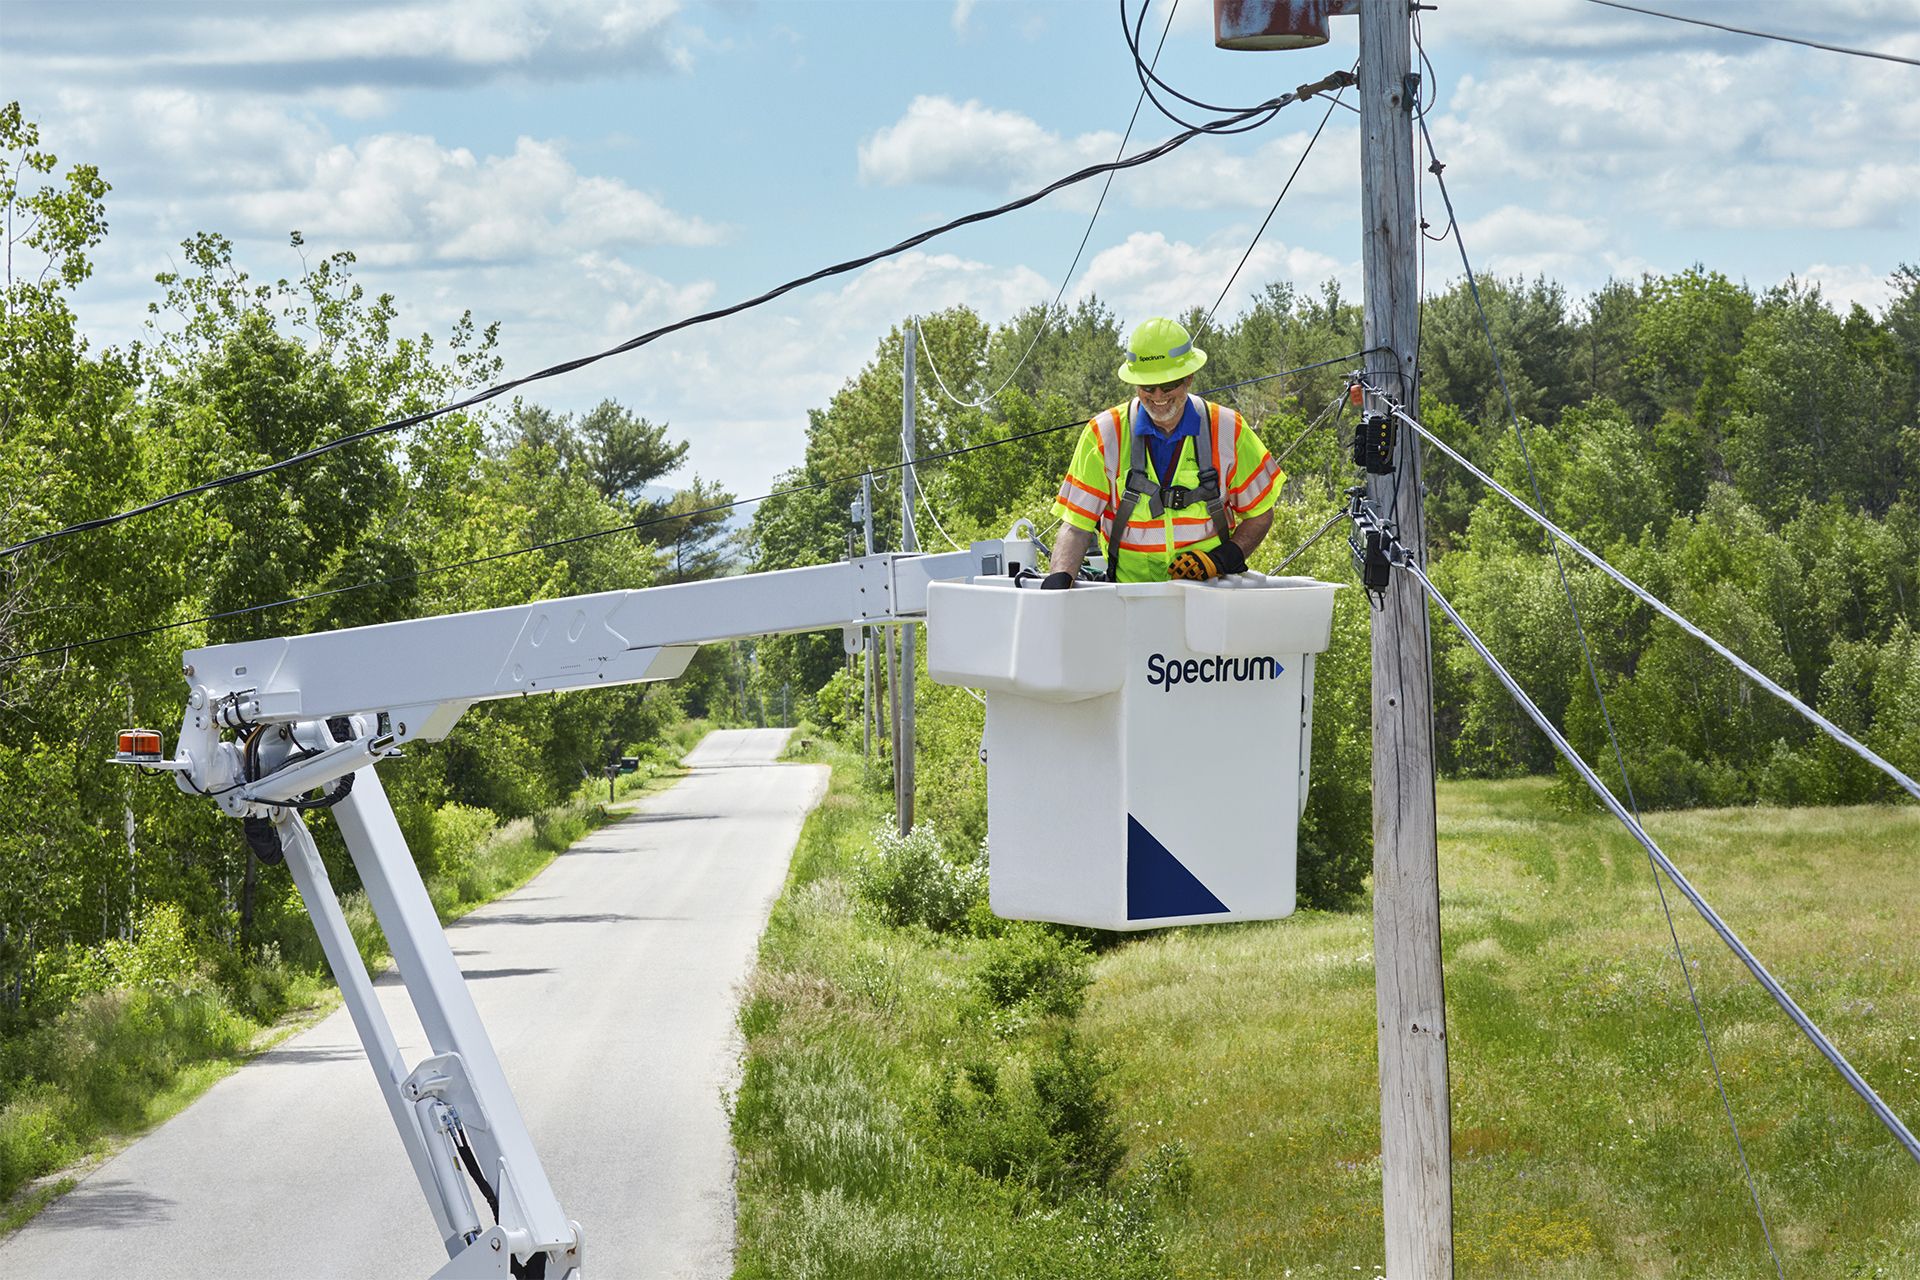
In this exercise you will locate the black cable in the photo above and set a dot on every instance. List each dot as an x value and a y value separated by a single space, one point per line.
1270 107
1251 244
1147 74
1339 514
1287 373
474 1171
630 527
1040 329
1764 35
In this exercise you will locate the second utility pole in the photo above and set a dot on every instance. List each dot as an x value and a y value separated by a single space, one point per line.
1416 1149
909 541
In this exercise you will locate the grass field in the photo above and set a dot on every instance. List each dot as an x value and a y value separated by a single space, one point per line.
1589 1139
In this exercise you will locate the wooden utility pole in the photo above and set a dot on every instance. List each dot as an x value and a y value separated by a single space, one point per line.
903 701
1416 1150
868 716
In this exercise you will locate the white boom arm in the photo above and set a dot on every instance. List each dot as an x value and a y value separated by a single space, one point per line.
316 712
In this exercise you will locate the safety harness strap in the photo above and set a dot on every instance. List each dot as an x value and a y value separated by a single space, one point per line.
1161 497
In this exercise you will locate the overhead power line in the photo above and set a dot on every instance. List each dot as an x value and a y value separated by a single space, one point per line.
1339 514
1040 328
1763 35
1593 677
627 527
1262 230
1148 79
1808 1028
1665 610
1267 108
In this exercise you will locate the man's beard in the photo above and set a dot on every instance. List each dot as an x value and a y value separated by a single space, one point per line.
1168 418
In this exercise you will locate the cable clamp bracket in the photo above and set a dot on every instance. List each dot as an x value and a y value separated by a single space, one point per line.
1372 546
1374 443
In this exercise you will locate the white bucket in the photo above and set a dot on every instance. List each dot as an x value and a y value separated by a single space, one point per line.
1147 743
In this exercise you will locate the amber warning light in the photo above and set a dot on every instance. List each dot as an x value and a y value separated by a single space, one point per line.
139 746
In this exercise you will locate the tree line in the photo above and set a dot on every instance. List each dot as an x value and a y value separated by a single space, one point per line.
233 373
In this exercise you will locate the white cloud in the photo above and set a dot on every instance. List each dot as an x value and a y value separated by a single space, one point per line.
963 14
145 137
1517 241
738 389
1845 284
403 198
1692 139
315 43
1577 26
1148 274
939 140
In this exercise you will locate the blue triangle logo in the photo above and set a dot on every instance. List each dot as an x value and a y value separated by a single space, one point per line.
1158 886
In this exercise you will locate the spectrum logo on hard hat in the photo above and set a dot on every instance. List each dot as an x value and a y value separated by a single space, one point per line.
1160 350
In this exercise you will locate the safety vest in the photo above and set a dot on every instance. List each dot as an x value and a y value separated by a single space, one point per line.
1163 521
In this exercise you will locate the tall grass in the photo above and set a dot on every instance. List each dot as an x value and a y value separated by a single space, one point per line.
1588 1136
914 1102
892 1121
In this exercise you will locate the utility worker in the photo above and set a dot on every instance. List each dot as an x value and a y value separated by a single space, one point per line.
1163 507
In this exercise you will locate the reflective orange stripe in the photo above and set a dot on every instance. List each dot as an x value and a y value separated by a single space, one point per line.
1066 501
1075 482
1226 438
1262 476
1106 429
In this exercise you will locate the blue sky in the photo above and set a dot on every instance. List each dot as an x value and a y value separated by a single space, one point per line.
583 170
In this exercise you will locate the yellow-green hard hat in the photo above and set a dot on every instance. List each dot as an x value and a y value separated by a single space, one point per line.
1160 350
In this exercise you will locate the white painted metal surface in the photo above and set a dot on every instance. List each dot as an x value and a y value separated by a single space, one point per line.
313 715
1122 722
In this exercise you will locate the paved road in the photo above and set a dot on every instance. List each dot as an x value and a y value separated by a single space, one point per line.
609 986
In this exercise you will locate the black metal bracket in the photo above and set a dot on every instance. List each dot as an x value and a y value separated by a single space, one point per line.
1374 547
1374 442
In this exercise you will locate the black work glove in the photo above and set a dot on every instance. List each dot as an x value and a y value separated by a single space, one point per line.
1058 581
1195 565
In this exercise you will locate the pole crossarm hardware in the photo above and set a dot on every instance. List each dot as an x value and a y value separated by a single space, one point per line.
269 723
1884 1113
1665 610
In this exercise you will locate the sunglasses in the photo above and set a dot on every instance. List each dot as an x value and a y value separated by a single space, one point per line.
1161 388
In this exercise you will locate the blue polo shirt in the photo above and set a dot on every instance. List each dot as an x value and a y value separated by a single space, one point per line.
1165 449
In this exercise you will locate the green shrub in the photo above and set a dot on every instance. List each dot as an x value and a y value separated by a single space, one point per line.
33 1136
910 880
993 1130
157 957
1057 1135
458 832
105 1065
1034 969
1071 1091
555 829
